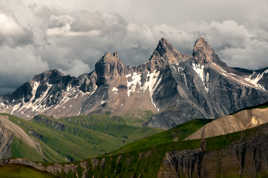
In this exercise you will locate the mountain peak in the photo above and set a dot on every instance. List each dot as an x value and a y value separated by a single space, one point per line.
108 67
202 52
201 42
110 57
164 54
164 46
53 73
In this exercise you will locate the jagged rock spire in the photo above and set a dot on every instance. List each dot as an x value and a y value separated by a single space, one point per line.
164 54
108 67
163 46
202 52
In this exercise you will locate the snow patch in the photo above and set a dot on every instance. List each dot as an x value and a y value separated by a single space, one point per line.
103 102
199 69
38 104
255 79
180 69
115 90
135 79
151 83
246 81
16 107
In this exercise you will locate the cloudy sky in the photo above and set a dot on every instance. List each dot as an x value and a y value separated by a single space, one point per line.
71 35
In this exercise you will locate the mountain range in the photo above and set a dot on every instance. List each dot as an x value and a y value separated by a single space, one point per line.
175 87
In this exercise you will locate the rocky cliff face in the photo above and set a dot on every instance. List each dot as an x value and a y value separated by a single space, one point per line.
245 159
174 86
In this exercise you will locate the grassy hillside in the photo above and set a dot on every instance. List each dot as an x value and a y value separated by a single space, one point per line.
176 134
15 171
133 160
144 157
243 151
75 138
149 149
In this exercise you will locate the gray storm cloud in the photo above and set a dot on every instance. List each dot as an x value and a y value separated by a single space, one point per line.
72 35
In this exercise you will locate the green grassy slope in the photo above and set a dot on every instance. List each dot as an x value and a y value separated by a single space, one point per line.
76 138
19 149
144 157
173 135
15 171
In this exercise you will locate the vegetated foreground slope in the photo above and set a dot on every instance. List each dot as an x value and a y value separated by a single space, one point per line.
68 139
17 171
167 155
138 158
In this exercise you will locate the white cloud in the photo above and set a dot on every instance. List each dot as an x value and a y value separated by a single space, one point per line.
11 33
9 26
77 67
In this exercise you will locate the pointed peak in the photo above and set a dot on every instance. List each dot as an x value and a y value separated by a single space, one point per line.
108 68
164 54
202 52
110 57
163 41
115 54
107 54
164 46
201 43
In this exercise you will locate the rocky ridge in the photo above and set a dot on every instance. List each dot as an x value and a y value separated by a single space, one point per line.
242 120
174 86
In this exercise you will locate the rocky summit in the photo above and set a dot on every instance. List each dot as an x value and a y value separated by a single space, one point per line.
174 86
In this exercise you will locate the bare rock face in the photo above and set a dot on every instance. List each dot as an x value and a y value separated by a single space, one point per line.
164 55
239 121
174 86
205 87
202 52
108 68
6 138
243 159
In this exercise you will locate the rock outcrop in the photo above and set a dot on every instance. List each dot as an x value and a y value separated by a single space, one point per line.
244 159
